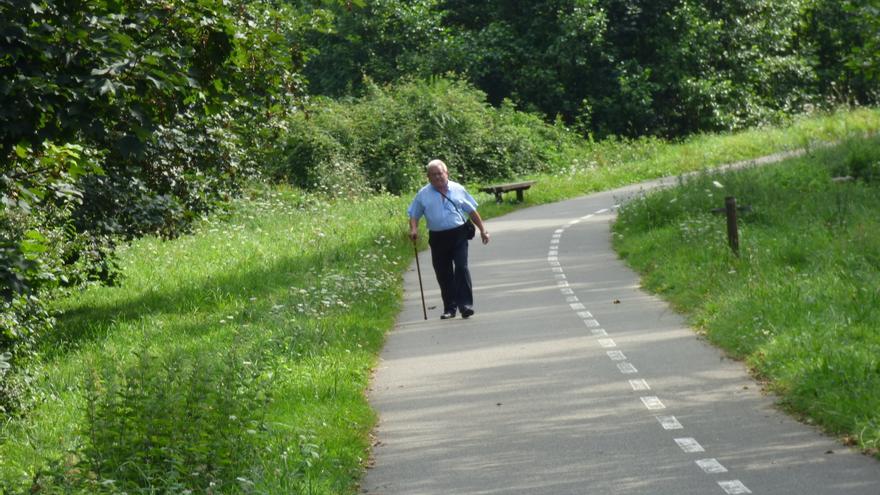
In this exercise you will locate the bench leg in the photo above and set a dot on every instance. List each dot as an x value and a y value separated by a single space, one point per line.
519 195
498 197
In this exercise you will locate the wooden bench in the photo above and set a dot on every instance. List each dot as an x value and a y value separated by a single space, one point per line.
499 189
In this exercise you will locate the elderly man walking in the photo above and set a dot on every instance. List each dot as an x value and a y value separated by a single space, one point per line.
446 206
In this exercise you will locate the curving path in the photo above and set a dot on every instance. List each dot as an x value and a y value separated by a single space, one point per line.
571 380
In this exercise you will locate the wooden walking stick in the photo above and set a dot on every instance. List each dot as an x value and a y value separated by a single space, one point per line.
419 271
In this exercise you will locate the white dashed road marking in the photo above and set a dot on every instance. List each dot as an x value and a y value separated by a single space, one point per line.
734 487
711 466
669 423
689 445
616 356
639 385
627 368
651 402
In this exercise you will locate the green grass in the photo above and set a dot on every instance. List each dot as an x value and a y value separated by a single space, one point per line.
801 304
235 359
614 163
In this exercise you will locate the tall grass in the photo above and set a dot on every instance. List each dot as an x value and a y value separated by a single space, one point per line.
801 303
235 359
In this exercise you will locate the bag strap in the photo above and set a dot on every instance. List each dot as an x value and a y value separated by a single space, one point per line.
464 216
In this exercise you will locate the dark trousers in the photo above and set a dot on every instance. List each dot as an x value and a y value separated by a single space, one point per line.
449 255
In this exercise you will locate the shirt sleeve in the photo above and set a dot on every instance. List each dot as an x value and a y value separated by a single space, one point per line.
416 208
467 202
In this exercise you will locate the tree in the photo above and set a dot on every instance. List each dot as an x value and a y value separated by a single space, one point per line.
382 39
843 40
125 117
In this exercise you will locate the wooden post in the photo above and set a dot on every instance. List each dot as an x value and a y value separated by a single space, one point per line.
732 232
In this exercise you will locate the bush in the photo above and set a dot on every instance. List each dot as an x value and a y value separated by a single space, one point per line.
386 137
40 250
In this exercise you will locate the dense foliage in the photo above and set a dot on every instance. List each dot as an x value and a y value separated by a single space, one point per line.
382 141
618 67
120 118
232 360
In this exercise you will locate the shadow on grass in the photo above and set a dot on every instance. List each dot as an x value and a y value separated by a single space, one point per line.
252 293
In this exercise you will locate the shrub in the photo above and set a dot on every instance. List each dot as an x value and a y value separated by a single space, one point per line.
387 136
39 249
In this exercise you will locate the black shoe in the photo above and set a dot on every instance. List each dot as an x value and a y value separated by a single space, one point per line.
467 312
447 315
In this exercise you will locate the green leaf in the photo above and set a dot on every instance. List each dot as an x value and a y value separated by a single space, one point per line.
157 83
35 235
4 361
67 191
21 151
107 87
34 243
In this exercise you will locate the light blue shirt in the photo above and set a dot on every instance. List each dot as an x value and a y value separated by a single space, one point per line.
439 213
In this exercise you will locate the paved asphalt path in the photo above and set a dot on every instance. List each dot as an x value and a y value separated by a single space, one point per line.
569 379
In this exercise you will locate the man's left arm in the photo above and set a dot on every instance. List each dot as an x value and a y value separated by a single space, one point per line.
478 221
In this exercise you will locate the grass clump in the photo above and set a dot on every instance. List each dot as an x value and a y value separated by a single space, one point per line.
801 303
166 424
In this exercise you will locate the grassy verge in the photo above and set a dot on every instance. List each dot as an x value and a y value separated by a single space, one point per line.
235 359
801 303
